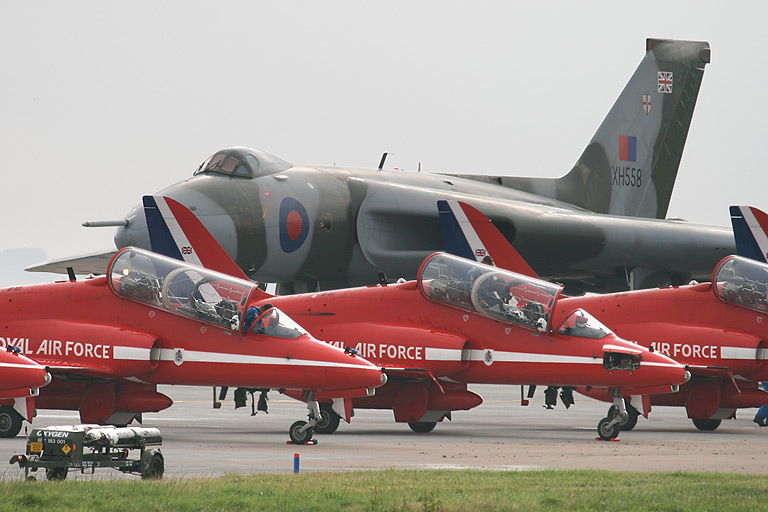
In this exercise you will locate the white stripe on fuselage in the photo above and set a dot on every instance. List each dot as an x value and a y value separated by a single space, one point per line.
194 356
21 365
742 353
527 357
442 354
130 353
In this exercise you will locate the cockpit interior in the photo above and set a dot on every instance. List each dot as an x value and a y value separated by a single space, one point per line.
241 162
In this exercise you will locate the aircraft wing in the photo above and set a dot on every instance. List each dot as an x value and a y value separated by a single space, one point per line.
407 373
56 368
709 371
411 374
95 264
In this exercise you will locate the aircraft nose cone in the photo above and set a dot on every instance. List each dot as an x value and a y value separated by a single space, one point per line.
135 232
354 372
21 372
668 369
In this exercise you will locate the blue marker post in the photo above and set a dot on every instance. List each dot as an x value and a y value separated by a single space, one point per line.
295 462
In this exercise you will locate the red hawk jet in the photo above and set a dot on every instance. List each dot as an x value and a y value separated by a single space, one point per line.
108 341
716 329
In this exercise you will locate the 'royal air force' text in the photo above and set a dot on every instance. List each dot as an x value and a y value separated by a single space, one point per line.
59 348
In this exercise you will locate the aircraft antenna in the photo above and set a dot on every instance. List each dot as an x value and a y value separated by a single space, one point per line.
383 157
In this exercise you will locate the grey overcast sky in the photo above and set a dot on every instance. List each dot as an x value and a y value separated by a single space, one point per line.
103 102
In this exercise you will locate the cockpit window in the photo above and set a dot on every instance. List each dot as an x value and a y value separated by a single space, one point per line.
742 282
274 322
174 286
583 325
242 163
490 291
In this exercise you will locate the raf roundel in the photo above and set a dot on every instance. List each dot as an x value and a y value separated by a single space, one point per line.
294 225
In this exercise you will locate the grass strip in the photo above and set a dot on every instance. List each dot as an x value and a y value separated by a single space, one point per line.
439 490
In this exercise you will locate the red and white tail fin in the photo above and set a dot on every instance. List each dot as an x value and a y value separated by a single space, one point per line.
750 230
176 232
468 233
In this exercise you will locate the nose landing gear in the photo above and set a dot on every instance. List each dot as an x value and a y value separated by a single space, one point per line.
301 432
609 427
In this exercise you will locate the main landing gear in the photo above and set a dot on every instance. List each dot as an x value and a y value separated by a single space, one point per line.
632 415
706 425
10 421
329 420
608 428
301 432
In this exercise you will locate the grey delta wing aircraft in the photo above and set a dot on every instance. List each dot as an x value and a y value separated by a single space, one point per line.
600 227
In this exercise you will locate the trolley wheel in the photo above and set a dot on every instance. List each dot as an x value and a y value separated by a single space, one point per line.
154 468
10 421
423 427
329 420
56 473
297 436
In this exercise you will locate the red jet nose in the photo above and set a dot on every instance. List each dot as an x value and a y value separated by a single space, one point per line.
664 370
353 372
18 372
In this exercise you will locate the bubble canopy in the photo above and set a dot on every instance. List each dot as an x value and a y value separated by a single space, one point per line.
240 162
742 282
189 291
489 291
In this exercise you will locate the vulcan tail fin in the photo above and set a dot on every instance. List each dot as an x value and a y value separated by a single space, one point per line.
750 229
630 165
176 232
468 233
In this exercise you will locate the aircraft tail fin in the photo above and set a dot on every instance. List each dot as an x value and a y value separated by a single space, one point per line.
630 165
750 230
176 232
468 233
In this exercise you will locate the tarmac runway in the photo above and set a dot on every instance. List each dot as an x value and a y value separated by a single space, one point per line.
200 441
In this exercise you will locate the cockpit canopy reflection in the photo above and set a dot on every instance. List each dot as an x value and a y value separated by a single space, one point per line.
242 162
583 325
743 282
490 291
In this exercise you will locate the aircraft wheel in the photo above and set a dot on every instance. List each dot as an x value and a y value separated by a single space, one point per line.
423 427
56 473
154 469
10 421
707 425
297 436
631 421
329 420
607 432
